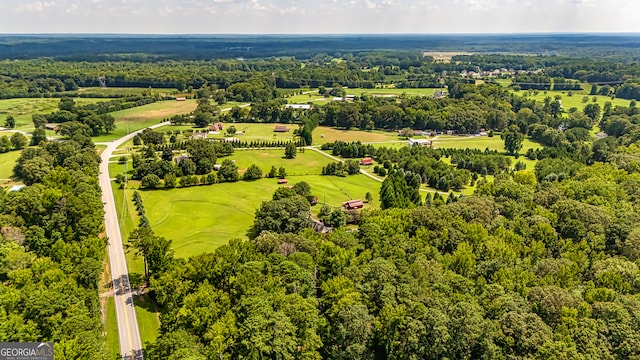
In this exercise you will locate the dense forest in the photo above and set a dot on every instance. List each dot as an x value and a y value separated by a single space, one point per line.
51 252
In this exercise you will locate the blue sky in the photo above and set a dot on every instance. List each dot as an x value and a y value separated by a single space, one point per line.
317 17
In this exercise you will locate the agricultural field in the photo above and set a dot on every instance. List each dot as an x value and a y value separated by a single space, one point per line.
119 91
140 117
199 219
23 108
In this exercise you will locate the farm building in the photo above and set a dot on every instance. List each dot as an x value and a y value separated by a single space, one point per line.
298 106
54 127
353 204
181 99
217 167
419 142
199 135
366 161
216 127
282 181
281 128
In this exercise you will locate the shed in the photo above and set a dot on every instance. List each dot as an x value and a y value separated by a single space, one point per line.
181 99
54 127
282 181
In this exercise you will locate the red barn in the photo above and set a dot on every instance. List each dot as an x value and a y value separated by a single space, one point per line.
353 204
366 161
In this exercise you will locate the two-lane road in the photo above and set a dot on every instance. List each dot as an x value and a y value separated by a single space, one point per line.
129 334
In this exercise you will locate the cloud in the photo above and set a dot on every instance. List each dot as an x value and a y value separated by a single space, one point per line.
34 7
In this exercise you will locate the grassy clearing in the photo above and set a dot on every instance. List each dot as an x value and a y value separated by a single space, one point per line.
23 108
391 91
147 316
111 328
140 117
575 100
251 131
109 91
127 220
324 134
307 163
479 142
199 219
7 162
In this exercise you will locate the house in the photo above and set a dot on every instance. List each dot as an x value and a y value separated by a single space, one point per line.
231 139
282 181
181 99
319 227
420 142
353 204
54 127
366 161
450 132
281 128
439 94
217 167
216 127
298 106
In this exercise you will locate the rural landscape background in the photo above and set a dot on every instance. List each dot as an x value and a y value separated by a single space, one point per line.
348 196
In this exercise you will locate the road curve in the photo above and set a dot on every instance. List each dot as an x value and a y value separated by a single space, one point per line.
128 332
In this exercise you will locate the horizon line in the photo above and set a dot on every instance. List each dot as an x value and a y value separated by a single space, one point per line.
319 34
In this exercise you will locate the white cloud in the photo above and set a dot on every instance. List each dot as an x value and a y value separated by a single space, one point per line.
31 7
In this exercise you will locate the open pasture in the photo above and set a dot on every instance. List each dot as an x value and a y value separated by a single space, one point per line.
140 117
23 108
7 162
478 142
325 134
201 218
575 100
307 163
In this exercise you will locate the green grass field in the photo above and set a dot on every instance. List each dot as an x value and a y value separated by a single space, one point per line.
199 219
307 163
574 100
23 108
324 134
7 162
108 91
147 316
111 328
140 117
479 142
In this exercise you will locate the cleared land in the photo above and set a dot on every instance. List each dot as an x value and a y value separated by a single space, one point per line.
575 100
143 116
324 134
7 162
479 142
444 56
199 219
307 163
23 108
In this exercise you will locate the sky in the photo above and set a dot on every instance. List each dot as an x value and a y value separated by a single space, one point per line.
317 16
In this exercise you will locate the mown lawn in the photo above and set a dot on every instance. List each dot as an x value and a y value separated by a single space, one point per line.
7 162
307 163
201 218
147 317
111 328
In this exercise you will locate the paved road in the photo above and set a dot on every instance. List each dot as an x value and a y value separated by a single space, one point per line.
129 334
128 331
